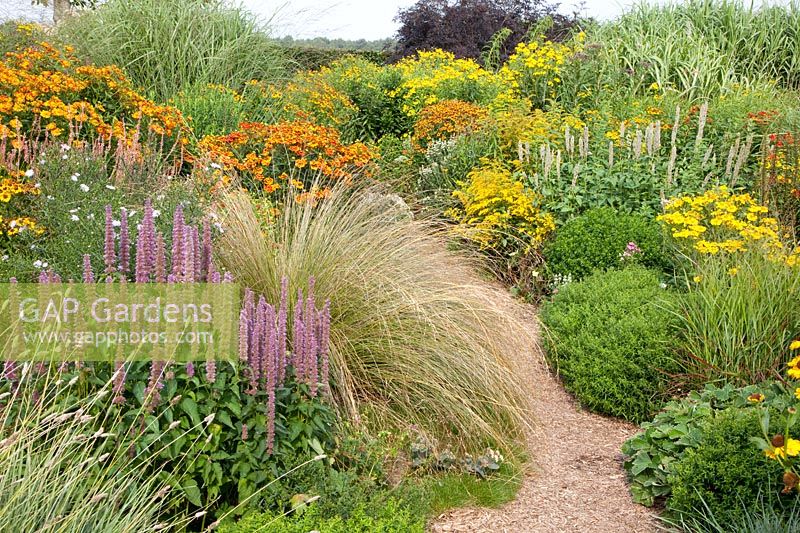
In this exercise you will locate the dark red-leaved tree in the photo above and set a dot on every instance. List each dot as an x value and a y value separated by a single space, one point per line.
465 27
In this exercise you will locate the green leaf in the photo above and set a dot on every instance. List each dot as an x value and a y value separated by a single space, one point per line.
192 492
190 408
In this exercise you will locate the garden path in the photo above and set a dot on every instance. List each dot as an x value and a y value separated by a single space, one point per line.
576 481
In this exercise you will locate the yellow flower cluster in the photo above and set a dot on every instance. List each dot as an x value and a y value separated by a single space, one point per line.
437 75
535 127
498 211
720 221
535 68
15 225
10 187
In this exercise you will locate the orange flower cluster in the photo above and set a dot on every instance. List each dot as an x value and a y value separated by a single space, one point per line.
446 119
295 153
46 91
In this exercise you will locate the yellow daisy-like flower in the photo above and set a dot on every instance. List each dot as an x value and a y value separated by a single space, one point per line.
795 345
756 397
790 449
797 393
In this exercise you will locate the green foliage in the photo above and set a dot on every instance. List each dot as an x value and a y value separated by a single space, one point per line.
609 339
166 46
313 58
736 327
725 471
193 440
597 239
391 518
755 517
652 454
76 184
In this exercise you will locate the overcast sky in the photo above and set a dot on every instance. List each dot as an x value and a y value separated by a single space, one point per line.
368 19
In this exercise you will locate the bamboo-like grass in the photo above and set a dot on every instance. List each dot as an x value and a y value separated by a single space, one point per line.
702 47
166 46
417 336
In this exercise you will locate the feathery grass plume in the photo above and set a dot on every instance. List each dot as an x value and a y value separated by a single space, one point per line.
414 332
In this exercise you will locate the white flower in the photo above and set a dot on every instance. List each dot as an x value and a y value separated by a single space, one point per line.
74 177
12 224
65 147
156 213
29 173
51 197
115 223
662 285
216 165
74 218
84 187
42 161
111 187
90 216
65 157
37 263
75 210
5 257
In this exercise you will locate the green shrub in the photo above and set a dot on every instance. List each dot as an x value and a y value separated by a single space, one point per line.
726 471
166 46
409 326
597 239
391 518
609 339
738 317
652 454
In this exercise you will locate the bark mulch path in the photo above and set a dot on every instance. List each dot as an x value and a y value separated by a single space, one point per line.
576 482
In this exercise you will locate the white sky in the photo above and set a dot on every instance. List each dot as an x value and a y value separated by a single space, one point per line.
368 19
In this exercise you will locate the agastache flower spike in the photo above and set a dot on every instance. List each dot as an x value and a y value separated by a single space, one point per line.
205 266
109 255
298 338
88 275
282 312
161 260
119 382
177 241
324 342
188 257
124 242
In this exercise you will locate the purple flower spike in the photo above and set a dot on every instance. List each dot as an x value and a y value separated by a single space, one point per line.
124 242
190 369
282 316
119 382
109 254
88 275
187 255
206 266
161 260
177 241
324 343
211 371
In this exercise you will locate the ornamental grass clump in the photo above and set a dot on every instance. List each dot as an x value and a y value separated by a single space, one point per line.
61 468
416 337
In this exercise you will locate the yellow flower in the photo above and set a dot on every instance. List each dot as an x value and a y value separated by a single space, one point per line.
697 279
797 393
756 398
795 345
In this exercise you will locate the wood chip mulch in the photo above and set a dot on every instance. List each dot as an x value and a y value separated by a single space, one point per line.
576 482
